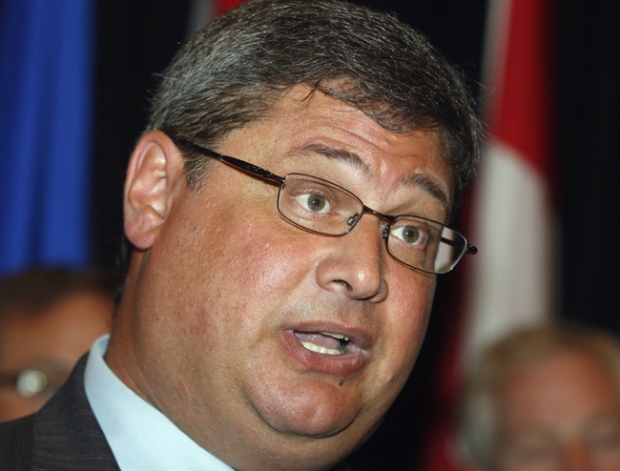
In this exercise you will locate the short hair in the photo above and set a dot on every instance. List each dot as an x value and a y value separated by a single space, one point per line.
478 414
35 289
230 73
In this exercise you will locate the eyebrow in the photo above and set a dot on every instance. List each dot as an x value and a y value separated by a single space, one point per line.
427 184
335 153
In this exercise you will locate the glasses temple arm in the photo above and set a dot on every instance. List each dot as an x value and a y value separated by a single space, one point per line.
471 249
237 163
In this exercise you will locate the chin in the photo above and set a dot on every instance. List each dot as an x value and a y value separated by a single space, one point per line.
312 425
313 409
309 452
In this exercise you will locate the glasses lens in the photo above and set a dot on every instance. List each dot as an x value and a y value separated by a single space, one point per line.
426 245
326 208
318 205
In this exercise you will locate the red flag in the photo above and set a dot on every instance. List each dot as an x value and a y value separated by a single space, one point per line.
510 282
203 11
222 6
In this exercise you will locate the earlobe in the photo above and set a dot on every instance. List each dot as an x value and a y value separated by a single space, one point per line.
155 168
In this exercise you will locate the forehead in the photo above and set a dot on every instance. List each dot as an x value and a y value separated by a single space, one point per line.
64 329
309 131
559 392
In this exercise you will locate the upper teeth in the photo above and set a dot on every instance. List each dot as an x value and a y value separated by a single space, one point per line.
337 336
326 350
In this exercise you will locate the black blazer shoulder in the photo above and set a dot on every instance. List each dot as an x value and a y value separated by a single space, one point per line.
16 444
63 436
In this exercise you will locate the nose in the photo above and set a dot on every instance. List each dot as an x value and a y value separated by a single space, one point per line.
355 263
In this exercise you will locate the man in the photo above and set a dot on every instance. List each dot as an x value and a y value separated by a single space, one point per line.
545 398
49 317
269 317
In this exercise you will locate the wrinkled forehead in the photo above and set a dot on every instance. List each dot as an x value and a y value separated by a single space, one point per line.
392 117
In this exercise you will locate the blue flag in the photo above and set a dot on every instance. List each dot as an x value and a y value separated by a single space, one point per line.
46 109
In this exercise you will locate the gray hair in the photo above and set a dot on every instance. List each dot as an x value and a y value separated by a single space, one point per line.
230 73
478 414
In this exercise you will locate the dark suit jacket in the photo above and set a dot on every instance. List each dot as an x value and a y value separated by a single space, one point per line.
63 436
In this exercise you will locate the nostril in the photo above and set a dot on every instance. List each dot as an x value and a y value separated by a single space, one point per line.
346 284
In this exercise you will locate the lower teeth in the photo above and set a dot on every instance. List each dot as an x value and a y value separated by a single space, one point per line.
318 349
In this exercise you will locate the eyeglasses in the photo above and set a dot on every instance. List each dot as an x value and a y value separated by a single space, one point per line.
323 207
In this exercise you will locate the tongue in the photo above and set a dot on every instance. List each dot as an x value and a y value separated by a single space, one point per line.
318 339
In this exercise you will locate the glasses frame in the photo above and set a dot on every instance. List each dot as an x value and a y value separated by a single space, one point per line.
255 170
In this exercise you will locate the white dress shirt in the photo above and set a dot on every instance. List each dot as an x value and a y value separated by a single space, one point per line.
140 436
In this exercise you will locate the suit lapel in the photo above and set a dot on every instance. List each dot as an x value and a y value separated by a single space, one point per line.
67 436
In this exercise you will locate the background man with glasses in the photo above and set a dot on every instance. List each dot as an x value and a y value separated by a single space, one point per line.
287 209
544 398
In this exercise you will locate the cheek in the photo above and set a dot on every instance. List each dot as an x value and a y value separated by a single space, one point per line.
411 301
405 327
251 272
270 255
403 334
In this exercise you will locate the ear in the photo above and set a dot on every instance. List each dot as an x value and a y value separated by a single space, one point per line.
155 170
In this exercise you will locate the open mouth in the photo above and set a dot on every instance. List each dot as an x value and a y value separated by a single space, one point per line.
325 343
334 350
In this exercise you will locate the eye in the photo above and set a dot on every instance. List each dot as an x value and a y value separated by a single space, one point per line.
530 451
534 454
314 202
410 234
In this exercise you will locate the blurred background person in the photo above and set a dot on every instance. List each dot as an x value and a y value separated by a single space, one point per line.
48 319
545 398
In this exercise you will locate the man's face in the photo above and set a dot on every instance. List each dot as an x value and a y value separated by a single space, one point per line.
561 414
228 290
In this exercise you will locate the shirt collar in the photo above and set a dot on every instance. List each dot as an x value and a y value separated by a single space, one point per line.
140 436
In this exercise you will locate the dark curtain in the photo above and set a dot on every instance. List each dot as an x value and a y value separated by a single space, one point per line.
590 161
135 41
